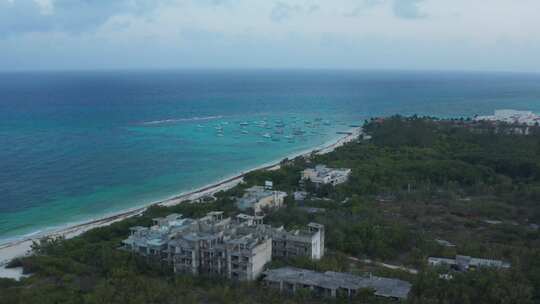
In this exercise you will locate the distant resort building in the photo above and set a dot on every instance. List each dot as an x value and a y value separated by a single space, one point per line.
466 263
237 248
258 198
322 175
512 117
334 284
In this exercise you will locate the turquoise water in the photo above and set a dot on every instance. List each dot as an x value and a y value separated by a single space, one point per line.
75 146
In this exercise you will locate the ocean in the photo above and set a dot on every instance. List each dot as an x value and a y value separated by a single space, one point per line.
76 146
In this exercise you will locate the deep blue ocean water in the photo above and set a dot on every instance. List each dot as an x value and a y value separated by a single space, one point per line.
75 146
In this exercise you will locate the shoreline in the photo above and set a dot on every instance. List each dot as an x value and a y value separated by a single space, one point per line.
22 247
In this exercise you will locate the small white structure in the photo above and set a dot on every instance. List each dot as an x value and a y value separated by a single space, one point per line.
465 263
512 117
322 175
268 185
444 243
258 197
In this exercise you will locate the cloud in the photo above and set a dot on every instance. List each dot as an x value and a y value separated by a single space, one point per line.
72 34
283 11
365 5
404 9
408 9
20 16
215 2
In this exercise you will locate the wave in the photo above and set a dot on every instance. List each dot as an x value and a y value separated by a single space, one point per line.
169 121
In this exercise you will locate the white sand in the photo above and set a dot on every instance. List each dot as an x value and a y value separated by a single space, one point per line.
11 250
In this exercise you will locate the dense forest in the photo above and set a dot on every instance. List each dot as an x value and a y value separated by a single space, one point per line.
417 180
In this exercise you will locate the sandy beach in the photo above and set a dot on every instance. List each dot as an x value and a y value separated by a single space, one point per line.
11 250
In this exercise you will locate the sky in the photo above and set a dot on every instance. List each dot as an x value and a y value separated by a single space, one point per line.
490 35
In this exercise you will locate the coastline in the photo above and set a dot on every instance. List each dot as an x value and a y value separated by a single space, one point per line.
18 248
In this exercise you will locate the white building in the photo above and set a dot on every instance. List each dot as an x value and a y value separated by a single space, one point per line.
258 197
465 263
326 176
512 117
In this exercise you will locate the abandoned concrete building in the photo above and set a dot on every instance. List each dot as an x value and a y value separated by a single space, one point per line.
322 175
259 197
334 284
465 263
237 248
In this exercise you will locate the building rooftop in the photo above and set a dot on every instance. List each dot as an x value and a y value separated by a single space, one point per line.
467 261
323 170
384 287
255 194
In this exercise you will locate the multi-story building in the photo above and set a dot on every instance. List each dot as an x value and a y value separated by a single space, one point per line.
322 175
302 242
259 197
237 248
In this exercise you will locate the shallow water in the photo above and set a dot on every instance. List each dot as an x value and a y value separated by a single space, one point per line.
78 145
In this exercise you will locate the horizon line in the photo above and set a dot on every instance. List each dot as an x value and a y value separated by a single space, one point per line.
274 69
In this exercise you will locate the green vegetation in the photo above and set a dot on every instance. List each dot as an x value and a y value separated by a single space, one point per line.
417 180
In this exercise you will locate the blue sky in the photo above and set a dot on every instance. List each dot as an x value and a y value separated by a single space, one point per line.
352 34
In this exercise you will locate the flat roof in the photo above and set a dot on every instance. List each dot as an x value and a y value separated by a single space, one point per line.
385 287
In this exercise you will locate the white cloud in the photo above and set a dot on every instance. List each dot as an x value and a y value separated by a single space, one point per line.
46 7
408 9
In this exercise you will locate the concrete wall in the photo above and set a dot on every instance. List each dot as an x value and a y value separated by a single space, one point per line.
262 255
